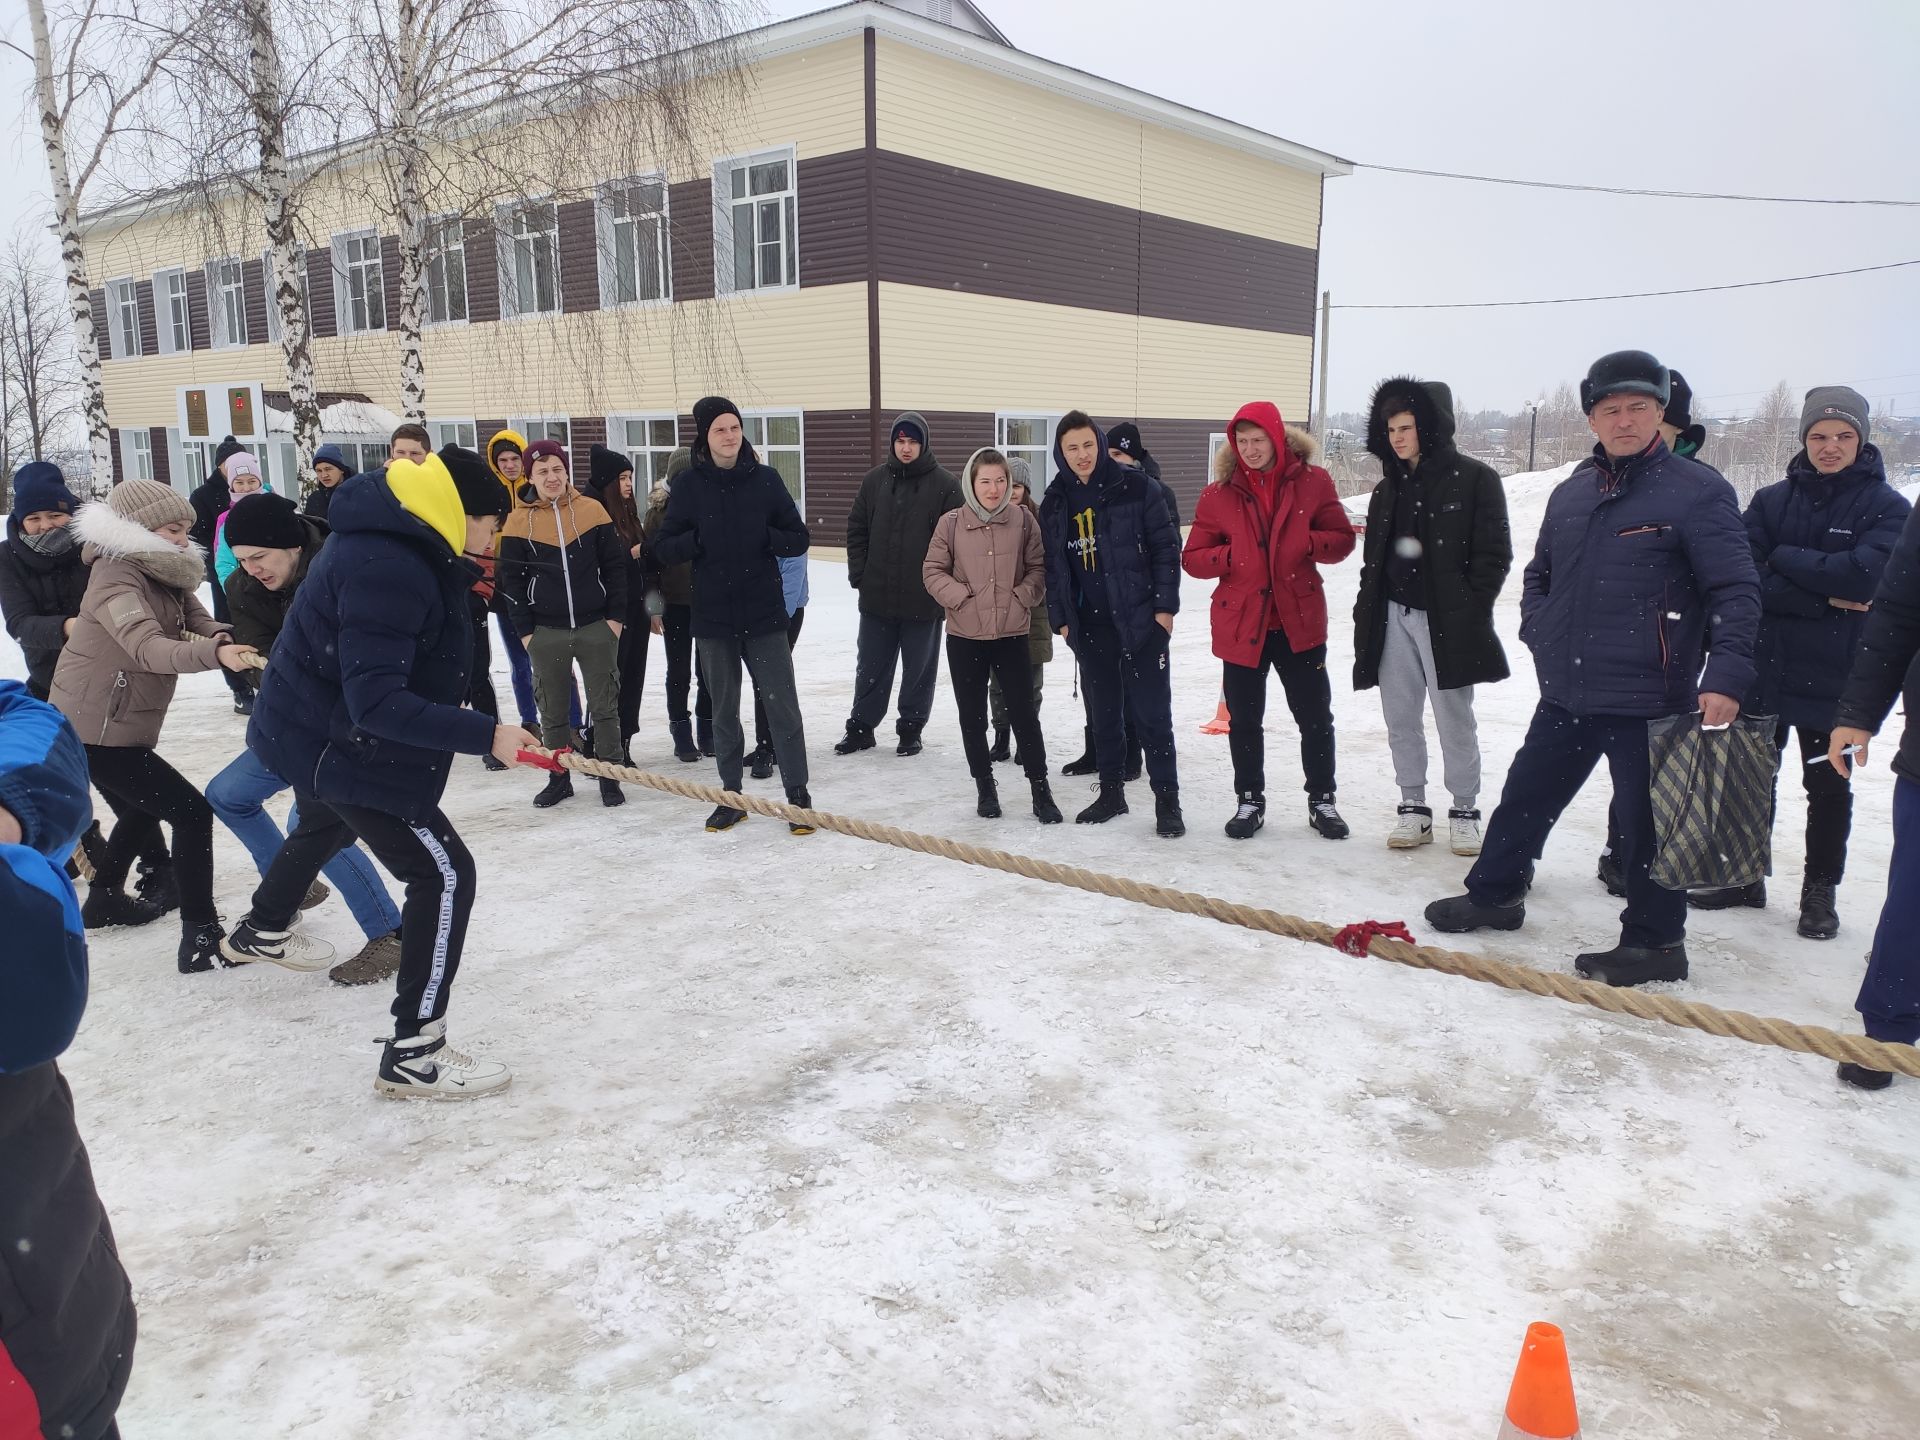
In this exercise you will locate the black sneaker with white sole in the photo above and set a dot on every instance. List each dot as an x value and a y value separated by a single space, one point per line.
287 948
1323 817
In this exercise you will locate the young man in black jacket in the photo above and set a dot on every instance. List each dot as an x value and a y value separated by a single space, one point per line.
731 515
1437 551
888 531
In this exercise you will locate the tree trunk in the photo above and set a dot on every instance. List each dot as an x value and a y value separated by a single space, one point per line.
411 212
73 255
289 271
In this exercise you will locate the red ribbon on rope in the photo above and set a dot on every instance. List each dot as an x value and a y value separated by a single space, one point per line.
543 762
1358 939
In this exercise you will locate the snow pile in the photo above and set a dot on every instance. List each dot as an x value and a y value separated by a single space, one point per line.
810 1137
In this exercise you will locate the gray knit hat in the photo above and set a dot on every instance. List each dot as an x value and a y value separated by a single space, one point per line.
1020 472
149 504
1834 402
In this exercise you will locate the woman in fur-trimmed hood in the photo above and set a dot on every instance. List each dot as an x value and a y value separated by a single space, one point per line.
141 626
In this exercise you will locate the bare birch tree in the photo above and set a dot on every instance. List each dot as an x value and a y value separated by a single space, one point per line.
86 77
38 382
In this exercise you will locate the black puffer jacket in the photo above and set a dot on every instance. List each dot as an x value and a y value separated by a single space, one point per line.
1466 550
733 525
1888 657
39 594
257 612
889 528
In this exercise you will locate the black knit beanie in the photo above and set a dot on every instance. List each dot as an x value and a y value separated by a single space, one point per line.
480 492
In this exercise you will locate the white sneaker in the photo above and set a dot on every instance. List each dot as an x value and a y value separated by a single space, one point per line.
1413 829
1463 831
249 943
425 1067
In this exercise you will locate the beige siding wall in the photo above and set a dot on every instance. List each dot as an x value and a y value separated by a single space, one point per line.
945 351
963 115
812 100
806 350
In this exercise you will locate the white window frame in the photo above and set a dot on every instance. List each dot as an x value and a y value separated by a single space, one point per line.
351 264
123 318
608 223
218 309
643 477
466 433
1042 474
436 225
511 306
787 200
136 453
189 461
534 427
799 416
1216 442
164 298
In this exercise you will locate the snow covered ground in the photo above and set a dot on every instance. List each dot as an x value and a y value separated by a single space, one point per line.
812 1138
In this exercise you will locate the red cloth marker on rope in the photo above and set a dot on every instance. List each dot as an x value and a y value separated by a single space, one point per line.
1358 939
542 762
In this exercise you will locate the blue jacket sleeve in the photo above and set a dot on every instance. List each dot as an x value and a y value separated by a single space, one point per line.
1163 550
1846 574
1537 579
1889 641
1778 594
43 784
380 629
1717 547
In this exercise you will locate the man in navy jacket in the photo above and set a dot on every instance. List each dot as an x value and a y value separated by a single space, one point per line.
66 1310
360 711
1640 549
1113 588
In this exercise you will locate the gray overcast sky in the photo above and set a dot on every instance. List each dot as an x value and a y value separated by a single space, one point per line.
1768 96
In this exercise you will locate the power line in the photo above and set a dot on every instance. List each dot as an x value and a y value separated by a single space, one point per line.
1633 190
1638 294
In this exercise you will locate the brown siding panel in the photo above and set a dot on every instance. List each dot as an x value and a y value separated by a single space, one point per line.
253 291
102 340
199 336
583 433
690 226
579 258
1179 447
953 434
1046 246
483 272
162 455
149 324
833 218
390 279
320 290
485 430
836 456
119 464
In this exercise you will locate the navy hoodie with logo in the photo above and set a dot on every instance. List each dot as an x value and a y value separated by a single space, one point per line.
1113 552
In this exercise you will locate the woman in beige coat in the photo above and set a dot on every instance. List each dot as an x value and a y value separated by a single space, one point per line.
140 627
987 569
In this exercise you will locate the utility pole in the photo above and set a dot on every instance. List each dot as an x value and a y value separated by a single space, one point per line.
1533 421
1326 350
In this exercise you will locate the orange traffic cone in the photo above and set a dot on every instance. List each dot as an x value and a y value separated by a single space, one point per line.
1218 725
1540 1405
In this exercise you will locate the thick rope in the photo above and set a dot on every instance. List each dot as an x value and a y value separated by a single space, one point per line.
1689 1014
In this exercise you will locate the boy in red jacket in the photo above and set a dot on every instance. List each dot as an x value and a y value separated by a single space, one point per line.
1263 529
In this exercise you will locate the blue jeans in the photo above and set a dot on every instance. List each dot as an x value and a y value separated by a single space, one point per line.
237 795
522 669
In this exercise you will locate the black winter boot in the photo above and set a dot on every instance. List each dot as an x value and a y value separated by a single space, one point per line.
1461 914
1002 744
760 762
1626 965
1087 764
684 750
559 787
704 729
1167 820
1112 802
858 737
798 796
724 817
1612 876
158 885
1044 808
200 947
909 731
989 806
1753 897
611 794
492 762
1861 1078
1323 817
1819 920
105 908
1250 815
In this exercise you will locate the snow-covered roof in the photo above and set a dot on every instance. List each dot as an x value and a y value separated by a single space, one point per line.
343 417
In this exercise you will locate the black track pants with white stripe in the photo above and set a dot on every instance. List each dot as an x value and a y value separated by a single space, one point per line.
427 857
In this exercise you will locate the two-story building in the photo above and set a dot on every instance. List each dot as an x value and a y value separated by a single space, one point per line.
903 212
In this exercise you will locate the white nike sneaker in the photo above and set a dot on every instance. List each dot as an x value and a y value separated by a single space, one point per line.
248 943
1463 831
426 1067
1414 828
